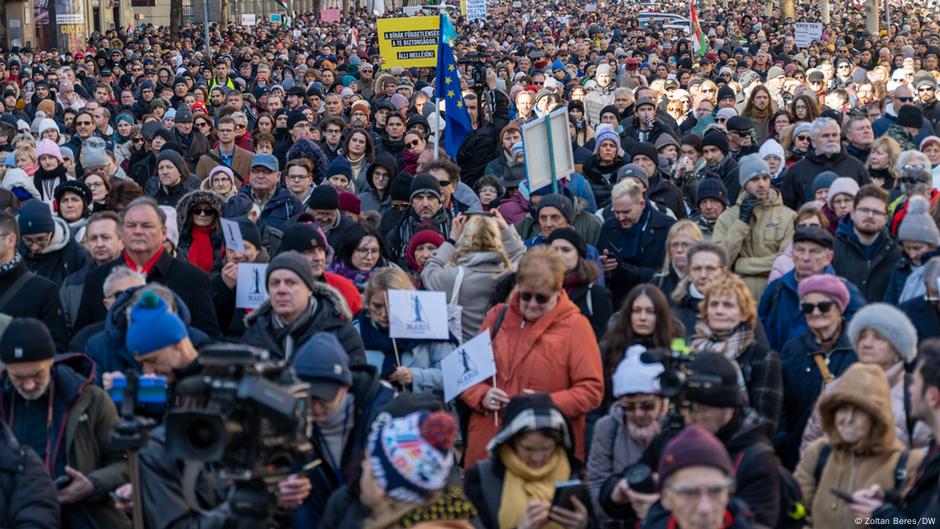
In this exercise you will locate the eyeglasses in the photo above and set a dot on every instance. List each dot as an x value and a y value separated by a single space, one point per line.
202 125
541 299
240 126
94 185
802 137
138 140
368 251
823 306
680 245
721 120
715 493
82 123
204 211
872 212
444 183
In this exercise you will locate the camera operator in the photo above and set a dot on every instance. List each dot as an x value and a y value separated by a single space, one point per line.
482 145
53 407
159 340
715 406
344 402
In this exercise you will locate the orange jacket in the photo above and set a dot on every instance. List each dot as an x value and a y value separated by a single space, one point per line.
556 354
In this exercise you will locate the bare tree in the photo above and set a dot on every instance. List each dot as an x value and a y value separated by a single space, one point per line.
176 17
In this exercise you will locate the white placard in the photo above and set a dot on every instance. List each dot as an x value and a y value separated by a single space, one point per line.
70 18
233 235
468 365
476 9
251 290
806 32
249 19
538 163
417 314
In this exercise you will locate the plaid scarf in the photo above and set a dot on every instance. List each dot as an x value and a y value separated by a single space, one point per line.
729 344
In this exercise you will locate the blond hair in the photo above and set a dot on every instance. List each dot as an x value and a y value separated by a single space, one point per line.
390 278
480 234
627 186
684 226
731 284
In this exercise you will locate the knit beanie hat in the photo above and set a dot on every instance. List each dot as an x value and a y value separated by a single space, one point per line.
606 133
35 217
47 147
802 127
751 166
411 457
152 326
559 202
425 183
73 186
301 237
176 159
26 340
67 153
772 147
322 363
717 139
47 124
323 197
647 149
725 394
726 92
824 180
633 376
840 186
727 113
249 231
694 446
400 188
928 140
712 188
238 205
350 203
339 166
828 285
609 109
635 171
294 262
97 157
890 323
572 236
910 116
426 236
918 225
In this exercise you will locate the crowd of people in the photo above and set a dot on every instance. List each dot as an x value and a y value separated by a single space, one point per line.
726 317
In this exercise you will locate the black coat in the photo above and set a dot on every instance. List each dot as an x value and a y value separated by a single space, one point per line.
798 180
727 171
595 303
922 500
924 316
28 498
331 315
665 193
38 298
601 178
63 256
188 282
871 276
649 256
482 145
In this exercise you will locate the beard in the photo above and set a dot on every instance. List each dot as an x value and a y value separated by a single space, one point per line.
829 150
867 230
36 394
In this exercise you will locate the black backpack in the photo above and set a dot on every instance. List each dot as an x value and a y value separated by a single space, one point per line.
792 509
900 469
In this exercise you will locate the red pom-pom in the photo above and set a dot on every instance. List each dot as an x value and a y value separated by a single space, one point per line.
439 429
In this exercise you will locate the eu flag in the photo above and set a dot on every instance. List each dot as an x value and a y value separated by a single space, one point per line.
456 117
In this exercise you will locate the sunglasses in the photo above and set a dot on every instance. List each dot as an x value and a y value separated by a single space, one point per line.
541 299
721 120
823 306
204 211
138 140
801 137
905 99
414 143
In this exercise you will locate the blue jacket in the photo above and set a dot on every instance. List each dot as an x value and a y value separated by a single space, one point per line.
900 272
924 317
802 384
279 209
650 251
780 313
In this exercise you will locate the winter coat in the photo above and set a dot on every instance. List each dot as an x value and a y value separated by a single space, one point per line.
514 208
802 384
550 355
37 298
28 499
369 396
400 235
169 196
281 207
779 309
612 451
760 367
651 250
193 147
631 130
332 315
82 421
447 509
924 316
852 466
482 145
798 180
185 280
370 198
595 303
61 257
481 270
871 276
70 293
896 375
241 163
586 224
921 497
903 276
727 171
753 246
737 516
601 178
141 169
782 264
184 220
665 193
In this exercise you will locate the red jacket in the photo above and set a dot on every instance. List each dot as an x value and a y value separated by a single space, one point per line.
347 289
548 355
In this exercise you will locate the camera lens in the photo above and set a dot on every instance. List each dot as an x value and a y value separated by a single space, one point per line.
640 478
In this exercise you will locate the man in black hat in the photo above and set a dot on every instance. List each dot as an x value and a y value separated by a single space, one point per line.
295 98
644 125
740 137
926 88
45 398
711 200
323 205
193 143
720 164
426 209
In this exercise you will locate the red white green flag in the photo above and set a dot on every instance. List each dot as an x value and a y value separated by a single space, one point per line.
699 42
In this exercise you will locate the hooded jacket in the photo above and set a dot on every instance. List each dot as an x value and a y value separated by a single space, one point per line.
280 208
27 496
753 246
548 355
612 451
17 179
184 220
81 423
870 274
331 315
370 198
858 465
169 196
601 178
61 257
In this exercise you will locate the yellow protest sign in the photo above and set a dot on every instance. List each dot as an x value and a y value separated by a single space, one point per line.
409 42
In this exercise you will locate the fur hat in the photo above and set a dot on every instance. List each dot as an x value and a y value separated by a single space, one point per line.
890 323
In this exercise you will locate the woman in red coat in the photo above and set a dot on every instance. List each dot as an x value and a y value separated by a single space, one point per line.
544 344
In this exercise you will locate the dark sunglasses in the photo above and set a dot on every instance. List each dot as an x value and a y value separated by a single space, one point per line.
803 138
541 299
823 306
905 99
138 140
204 211
411 144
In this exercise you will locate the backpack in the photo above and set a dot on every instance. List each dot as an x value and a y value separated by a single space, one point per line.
792 508
900 469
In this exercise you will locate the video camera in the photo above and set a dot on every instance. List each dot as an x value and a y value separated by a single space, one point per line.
243 411
677 379
477 64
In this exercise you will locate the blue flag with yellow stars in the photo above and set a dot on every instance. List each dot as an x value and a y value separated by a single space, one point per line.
456 117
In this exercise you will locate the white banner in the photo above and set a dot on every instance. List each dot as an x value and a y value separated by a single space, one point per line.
538 156
476 9
806 32
249 19
251 290
468 365
417 314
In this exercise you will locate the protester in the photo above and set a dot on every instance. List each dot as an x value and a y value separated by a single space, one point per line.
581 278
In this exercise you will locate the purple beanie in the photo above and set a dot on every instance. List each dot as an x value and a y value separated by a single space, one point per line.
827 285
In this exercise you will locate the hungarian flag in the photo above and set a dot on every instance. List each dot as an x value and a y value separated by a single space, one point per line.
699 42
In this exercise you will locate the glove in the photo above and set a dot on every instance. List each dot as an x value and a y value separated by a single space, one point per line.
747 208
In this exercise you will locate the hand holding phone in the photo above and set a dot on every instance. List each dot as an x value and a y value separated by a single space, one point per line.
844 496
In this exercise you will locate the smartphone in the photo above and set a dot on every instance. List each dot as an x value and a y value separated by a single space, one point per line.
478 214
566 490
118 497
844 496
62 481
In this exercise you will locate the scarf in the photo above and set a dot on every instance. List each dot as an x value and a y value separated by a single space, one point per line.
201 254
411 161
523 485
356 163
49 180
573 279
729 344
358 277
375 338
630 237
6 268
283 333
